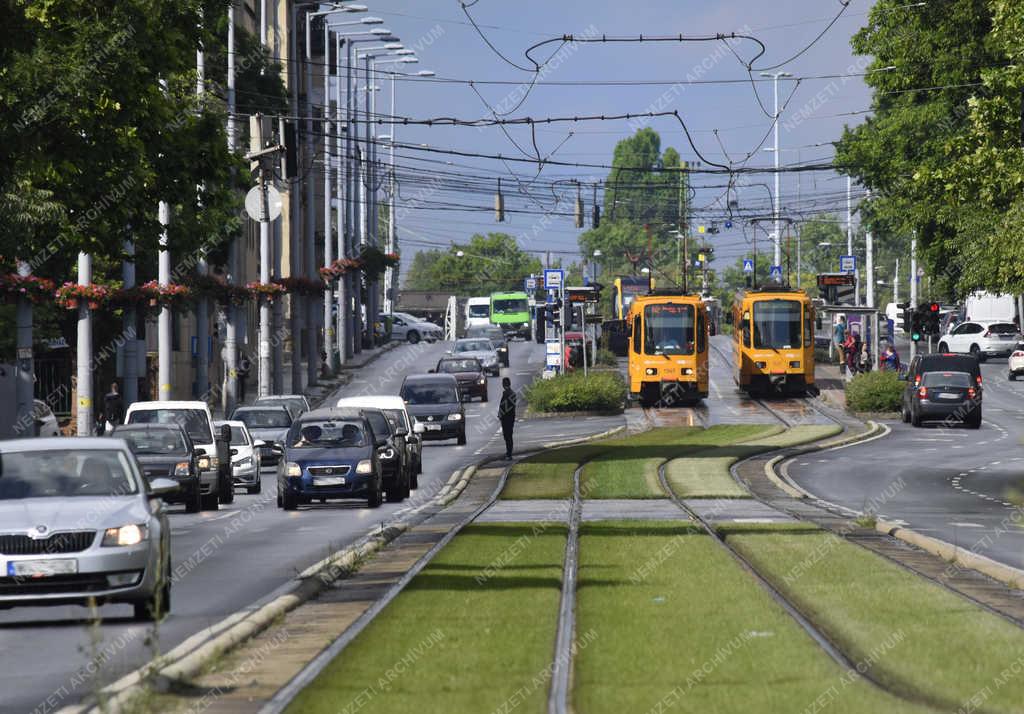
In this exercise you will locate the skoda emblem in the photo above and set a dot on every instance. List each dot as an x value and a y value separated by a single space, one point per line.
38 532
328 470
430 418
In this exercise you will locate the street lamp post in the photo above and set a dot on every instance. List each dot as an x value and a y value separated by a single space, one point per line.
777 256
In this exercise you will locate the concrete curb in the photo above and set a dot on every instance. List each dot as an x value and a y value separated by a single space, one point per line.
584 439
954 554
777 464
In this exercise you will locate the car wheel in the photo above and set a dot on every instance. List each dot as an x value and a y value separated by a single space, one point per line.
484 398
906 414
462 438
376 496
251 490
289 501
194 504
395 493
973 420
210 502
943 347
976 351
413 337
280 503
156 606
227 491
414 481
1012 376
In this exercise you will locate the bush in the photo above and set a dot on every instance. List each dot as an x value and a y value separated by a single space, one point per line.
875 392
598 391
607 358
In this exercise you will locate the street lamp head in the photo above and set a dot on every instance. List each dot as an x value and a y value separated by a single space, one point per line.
597 253
404 51
380 31
425 73
393 46
354 8
409 60
459 254
372 21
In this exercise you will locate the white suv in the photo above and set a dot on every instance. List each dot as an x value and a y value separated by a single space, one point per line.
215 481
409 327
982 339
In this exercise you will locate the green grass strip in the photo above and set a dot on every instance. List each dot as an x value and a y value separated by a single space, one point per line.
549 473
473 632
951 650
668 621
705 473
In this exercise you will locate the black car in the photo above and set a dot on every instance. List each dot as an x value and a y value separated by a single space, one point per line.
947 396
433 399
497 337
331 454
468 372
393 455
943 362
166 451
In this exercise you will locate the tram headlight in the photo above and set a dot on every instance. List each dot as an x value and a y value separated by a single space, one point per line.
651 371
760 365
687 370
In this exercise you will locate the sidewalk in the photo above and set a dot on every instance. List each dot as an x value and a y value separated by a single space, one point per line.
832 384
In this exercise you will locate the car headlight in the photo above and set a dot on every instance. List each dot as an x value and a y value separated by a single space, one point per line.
243 462
182 469
204 463
387 453
364 467
130 534
481 381
292 469
455 416
503 349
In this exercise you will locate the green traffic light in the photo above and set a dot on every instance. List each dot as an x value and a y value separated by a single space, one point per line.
916 336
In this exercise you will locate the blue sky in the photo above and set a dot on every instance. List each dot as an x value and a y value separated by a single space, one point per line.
448 45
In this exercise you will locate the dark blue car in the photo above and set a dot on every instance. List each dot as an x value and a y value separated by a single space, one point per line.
330 454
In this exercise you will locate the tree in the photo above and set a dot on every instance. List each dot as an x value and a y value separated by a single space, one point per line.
487 264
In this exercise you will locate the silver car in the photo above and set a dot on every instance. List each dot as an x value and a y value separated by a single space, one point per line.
79 521
479 348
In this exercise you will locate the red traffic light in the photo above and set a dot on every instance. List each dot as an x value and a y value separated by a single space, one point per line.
934 307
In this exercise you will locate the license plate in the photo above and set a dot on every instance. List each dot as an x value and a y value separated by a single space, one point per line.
329 481
948 395
41 568
433 427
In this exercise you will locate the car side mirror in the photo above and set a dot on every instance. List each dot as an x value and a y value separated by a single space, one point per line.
418 428
381 443
258 443
234 452
225 433
160 487
200 451
277 449
431 370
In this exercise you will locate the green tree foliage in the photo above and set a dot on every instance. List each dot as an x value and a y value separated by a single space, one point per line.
905 150
490 263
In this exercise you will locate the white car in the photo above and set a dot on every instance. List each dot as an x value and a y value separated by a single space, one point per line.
409 327
44 418
195 418
1015 363
981 339
245 456
394 408
481 349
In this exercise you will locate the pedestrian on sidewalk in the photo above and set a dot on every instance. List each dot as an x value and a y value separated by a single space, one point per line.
507 414
113 406
839 337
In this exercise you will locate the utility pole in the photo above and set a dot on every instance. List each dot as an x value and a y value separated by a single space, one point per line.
896 283
913 286
308 245
343 320
202 305
295 221
129 328
259 150
369 234
84 351
777 255
25 374
164 324
869 268
390 275
354 211
230 397
331 361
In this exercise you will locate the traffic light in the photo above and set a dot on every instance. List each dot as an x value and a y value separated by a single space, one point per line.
931 318
906 319
555 313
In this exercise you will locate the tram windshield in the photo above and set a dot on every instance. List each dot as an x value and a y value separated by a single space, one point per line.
668 329
777 324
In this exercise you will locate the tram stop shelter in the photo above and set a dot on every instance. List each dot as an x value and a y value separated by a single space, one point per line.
865 317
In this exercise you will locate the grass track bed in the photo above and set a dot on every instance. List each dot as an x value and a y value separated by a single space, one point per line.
672 619
469 646
951 650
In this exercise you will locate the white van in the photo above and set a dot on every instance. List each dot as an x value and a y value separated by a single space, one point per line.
478 312
990 307
215 482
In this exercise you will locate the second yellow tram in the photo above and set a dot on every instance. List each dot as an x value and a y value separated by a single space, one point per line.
773 333
668 348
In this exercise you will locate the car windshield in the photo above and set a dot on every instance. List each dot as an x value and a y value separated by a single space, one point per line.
459 365
430 393
777 324
946 379
397 419
65 473
479 310
295 404
508 306
320 433
153 441
238 437
1003 328
668 329
264 418
193 421
473 346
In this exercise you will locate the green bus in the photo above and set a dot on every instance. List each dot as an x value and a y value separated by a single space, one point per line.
511 312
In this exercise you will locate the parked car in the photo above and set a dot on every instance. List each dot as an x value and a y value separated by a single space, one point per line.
269 423
195 418
434 401
469 373
497 337
166 451
296 403
409 327
946 396
330 454
942 362
481 349
394 408
79 521
245 456
46 422
981 339
393 464
1015 362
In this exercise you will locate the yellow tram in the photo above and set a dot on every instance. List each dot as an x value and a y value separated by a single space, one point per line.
668 348
773 331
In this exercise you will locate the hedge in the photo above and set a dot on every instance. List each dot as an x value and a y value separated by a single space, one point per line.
598 392
875 392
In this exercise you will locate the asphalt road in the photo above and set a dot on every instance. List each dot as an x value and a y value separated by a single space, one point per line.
241 554
949 482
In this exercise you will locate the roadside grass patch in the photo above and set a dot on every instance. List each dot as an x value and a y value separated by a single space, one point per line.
951 650
549 473
603 391
680 626
463 636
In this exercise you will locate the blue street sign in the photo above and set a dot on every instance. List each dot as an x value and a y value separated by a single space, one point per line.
553 278
748 265
847 263
775 272
531 284
728 224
